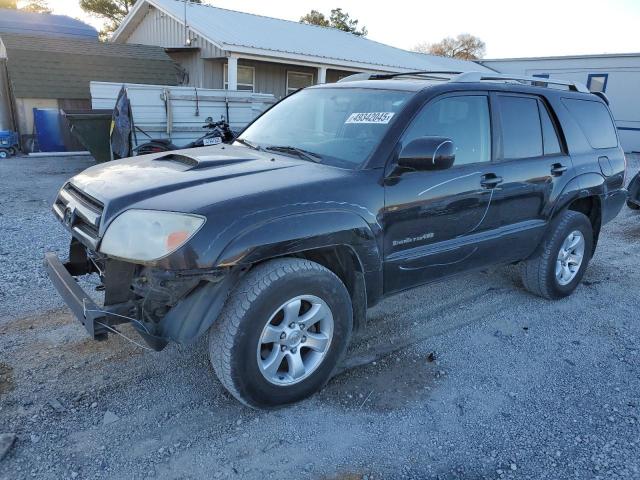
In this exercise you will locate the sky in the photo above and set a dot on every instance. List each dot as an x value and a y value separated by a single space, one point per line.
509 28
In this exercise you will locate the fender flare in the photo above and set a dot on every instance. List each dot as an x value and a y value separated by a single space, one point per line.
297 233
582 186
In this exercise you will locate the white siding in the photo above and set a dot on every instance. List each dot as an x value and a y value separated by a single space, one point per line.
157 28
623 84
191 63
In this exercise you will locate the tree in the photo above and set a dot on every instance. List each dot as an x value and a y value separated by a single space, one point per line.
112 11
314 17
464 47
36 6
338 19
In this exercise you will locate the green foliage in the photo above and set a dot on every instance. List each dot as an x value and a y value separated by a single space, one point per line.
314 17
338 19
36 6
113 11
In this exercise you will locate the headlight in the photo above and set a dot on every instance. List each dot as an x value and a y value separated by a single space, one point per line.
146 235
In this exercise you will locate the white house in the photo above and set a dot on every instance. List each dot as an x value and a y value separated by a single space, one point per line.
220 48
617 75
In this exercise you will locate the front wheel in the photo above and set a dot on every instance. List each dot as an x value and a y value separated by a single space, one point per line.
281 333
558 266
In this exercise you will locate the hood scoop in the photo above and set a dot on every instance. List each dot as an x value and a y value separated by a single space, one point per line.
199 162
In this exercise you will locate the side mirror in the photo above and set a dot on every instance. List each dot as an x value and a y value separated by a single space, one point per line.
428 153
208 120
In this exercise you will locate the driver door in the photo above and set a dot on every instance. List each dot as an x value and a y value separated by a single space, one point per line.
434 220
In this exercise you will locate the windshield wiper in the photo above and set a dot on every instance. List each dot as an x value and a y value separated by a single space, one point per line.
247 143
299 152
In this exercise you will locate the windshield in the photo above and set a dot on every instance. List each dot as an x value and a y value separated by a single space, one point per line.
339 126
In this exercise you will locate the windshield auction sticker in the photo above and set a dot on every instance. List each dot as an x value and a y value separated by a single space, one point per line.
371 117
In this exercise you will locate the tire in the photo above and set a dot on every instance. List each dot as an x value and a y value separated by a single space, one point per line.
239 347
539 272
633 206
4 153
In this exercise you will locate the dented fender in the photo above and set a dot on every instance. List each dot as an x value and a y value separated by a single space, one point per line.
293 234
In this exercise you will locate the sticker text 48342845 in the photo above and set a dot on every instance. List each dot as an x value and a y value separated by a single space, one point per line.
370 117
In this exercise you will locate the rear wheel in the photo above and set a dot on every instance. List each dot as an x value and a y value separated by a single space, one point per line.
561 260
281 333
4 153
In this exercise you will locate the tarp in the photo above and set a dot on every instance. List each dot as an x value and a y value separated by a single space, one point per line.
121 126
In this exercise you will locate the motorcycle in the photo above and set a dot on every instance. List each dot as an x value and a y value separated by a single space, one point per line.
219 132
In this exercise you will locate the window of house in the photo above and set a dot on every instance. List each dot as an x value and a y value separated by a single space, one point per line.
540 75
463 119
521 128
246 78
298 80
597 82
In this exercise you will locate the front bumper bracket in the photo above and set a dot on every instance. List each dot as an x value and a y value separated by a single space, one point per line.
80 303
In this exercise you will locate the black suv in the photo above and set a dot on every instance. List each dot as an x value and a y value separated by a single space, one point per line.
336 197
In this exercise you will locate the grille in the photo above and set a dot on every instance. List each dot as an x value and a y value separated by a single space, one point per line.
80 213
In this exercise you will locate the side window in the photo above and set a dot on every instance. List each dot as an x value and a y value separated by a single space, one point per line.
595 122
521 130
463 119
549 133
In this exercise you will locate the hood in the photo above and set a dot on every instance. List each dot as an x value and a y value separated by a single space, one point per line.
176 176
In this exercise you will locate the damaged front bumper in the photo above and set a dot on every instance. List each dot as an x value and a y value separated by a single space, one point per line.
162 306
80 303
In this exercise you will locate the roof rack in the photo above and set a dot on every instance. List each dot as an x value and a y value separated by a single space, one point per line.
421 73
469 77
424 74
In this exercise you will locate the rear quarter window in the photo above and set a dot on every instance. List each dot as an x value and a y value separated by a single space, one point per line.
594 120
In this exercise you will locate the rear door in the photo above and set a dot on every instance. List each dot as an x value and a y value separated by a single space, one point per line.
534 165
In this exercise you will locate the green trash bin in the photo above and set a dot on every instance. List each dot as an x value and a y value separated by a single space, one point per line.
92 128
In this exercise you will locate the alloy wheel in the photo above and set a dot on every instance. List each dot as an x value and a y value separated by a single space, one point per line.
295 340
570 257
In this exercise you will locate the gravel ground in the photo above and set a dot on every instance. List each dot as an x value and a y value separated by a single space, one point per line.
466 379
28 187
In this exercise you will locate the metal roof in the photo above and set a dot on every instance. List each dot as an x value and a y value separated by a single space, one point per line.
38 24
239 32
57 68
562 57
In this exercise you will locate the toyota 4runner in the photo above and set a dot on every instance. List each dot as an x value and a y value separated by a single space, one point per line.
336 197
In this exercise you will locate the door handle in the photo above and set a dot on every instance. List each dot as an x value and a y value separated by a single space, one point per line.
490 180
558 169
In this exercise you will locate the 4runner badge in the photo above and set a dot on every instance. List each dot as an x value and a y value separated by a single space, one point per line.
405 241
